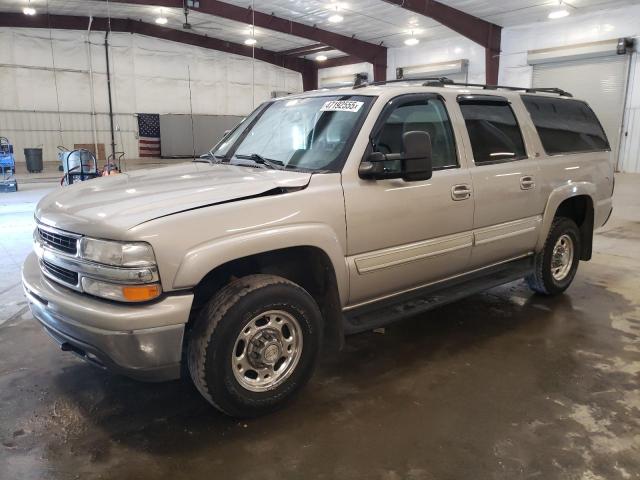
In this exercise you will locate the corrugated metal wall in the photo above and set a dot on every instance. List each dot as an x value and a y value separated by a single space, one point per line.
630 145
148 76
43 130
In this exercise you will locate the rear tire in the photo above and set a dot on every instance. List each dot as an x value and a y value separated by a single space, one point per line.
557 263
254 345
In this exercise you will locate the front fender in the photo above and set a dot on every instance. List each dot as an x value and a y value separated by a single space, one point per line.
558 196
200 260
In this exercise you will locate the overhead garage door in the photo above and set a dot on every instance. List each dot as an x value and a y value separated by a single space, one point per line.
600 81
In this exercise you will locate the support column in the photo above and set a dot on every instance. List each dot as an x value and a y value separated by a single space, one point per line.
379 72
492 66
310 78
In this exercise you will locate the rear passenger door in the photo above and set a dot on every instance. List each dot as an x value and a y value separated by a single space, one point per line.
508 198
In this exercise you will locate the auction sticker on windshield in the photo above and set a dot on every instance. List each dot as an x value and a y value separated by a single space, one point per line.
341 106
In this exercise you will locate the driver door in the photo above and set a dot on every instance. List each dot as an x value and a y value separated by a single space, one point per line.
402 235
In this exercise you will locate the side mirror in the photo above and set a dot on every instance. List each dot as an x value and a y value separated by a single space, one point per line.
373 167
417 156
415 161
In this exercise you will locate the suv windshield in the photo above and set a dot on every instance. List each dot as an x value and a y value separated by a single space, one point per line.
312 133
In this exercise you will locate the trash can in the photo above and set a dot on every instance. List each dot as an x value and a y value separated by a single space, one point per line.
33 156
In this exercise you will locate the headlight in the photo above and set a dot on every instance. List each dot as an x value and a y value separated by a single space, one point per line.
121 293
119 254
134 278
121 271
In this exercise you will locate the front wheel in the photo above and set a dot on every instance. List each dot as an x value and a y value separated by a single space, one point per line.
255 345
556 265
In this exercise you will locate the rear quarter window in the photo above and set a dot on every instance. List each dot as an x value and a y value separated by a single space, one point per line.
566 126
493 129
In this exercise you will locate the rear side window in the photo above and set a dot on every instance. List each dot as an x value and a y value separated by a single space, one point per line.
566 126
493 130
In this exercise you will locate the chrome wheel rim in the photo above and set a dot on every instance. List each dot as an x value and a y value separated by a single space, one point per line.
562 258
267 350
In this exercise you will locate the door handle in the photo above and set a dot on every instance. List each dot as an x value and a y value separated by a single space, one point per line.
461 192
527 182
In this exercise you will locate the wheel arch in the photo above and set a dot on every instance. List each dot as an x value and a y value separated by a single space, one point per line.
574 201
306 265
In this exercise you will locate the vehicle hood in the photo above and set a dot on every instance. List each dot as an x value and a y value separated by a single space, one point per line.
107 207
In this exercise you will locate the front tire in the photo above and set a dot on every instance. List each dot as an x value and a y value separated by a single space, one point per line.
254 345
557 263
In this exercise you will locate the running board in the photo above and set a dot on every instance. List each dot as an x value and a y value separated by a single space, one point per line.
383 313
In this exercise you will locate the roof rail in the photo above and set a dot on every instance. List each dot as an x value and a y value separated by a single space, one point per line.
437 82
444 81
557 91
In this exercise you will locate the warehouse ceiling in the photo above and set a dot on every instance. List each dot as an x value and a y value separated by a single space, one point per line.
374 21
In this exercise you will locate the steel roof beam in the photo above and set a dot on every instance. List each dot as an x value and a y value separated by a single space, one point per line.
480 31
307 68
339 62
365 51
308 50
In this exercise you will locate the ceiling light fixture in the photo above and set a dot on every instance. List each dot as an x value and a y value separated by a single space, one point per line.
252 36
161 20
558 14
321 58
561 13
410 42
336 17
29 10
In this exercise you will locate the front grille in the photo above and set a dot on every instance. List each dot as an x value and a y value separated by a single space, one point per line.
62 274
58 241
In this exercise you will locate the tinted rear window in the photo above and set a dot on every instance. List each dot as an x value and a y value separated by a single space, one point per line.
493 130
566 126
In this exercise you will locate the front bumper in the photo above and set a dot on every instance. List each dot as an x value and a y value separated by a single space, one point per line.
142 341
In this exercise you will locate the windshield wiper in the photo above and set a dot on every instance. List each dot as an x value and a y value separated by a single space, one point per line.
209 158
275 164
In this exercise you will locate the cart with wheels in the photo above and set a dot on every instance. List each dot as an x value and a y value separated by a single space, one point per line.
79 165
8 182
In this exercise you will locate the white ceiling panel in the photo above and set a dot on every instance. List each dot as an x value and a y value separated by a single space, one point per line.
202 24
377 21
518 12
374 21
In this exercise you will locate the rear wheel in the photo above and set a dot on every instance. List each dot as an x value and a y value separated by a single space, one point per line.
556 265
255 345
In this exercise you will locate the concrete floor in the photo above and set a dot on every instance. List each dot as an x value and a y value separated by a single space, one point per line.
503 385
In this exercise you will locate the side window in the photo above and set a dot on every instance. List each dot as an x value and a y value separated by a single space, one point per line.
424 114
565 126
493 129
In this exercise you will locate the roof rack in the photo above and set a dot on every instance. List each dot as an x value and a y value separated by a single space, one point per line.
435 80
444 81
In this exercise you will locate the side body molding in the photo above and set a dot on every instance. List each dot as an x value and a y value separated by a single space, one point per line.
556 197
203 258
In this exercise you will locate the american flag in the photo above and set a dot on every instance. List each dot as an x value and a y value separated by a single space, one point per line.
149 134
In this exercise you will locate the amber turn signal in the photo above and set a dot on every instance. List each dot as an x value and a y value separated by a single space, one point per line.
140 293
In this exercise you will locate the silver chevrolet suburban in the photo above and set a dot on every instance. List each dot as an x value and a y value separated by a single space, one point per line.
318 216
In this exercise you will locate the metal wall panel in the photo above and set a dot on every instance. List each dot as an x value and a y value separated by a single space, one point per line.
148 76
629 160
42 130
